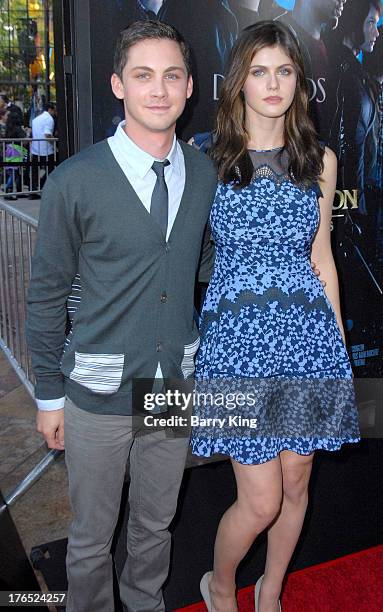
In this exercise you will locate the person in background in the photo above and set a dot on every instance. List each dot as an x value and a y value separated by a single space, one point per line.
354 113
15 153
213 18
42 151
3 101
3 121
373 64
251 11
7 104
307 20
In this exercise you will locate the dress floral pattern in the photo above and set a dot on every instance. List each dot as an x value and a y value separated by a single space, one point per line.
268 328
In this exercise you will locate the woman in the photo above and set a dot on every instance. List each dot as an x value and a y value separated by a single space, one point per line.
373 64
15 153
270 336
351 102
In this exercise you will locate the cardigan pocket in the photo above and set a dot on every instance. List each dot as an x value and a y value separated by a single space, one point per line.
98 372
187 363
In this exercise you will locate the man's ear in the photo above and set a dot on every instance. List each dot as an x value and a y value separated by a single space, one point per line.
117 86
189 89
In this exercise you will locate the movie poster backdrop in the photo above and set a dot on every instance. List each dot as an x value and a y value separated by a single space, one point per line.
343 55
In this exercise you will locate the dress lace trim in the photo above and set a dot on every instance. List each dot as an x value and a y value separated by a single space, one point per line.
266 171
273 294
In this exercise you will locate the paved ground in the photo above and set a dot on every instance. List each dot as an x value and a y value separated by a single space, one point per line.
42 514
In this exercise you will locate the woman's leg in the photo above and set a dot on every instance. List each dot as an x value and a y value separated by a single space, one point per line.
284 533
9 184
259 494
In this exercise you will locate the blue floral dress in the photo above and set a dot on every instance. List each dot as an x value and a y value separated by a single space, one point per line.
272 372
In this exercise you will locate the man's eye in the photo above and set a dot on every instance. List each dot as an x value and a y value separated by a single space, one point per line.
171 76
142 75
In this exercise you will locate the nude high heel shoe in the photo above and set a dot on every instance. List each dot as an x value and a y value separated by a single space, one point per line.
204 588
257 590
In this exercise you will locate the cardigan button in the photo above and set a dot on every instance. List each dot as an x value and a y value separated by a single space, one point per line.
164 298
159 347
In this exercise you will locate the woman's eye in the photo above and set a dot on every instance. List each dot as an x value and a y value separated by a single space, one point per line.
282 71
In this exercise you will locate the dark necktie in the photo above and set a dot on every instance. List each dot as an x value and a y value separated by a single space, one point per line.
159 202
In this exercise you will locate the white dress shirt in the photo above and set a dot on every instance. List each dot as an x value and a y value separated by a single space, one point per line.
42 125
136 164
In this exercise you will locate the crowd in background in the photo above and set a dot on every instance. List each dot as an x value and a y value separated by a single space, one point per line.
23 160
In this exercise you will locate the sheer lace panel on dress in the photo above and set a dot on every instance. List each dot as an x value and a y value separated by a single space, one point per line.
271 163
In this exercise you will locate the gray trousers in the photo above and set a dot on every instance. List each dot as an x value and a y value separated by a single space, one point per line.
97 448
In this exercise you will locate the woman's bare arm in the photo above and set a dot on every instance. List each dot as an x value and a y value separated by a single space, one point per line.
321 252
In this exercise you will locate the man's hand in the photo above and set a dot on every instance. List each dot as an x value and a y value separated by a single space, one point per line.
317 273
50 423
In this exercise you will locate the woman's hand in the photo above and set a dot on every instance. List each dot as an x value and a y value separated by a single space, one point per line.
317 272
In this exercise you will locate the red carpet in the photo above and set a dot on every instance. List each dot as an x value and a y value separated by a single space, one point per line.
350 584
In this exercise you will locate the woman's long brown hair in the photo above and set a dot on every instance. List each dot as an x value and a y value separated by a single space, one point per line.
229 149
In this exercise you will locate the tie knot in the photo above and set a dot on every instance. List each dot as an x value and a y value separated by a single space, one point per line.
159 167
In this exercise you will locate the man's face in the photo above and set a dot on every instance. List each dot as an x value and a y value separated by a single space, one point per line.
329 9
154 85
370 30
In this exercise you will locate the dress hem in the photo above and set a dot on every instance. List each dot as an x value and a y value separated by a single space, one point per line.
316 446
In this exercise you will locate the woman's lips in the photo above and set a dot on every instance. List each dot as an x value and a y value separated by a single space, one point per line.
273 99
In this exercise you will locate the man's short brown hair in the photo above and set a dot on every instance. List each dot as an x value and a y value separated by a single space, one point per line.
147 30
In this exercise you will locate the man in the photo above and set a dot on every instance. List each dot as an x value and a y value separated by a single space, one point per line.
9 106
42 150
4 101
251 11
129 215
307 20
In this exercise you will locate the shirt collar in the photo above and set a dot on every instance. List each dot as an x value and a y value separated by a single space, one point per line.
139 160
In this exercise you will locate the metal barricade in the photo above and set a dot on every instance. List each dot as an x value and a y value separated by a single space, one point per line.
17 238
25 163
